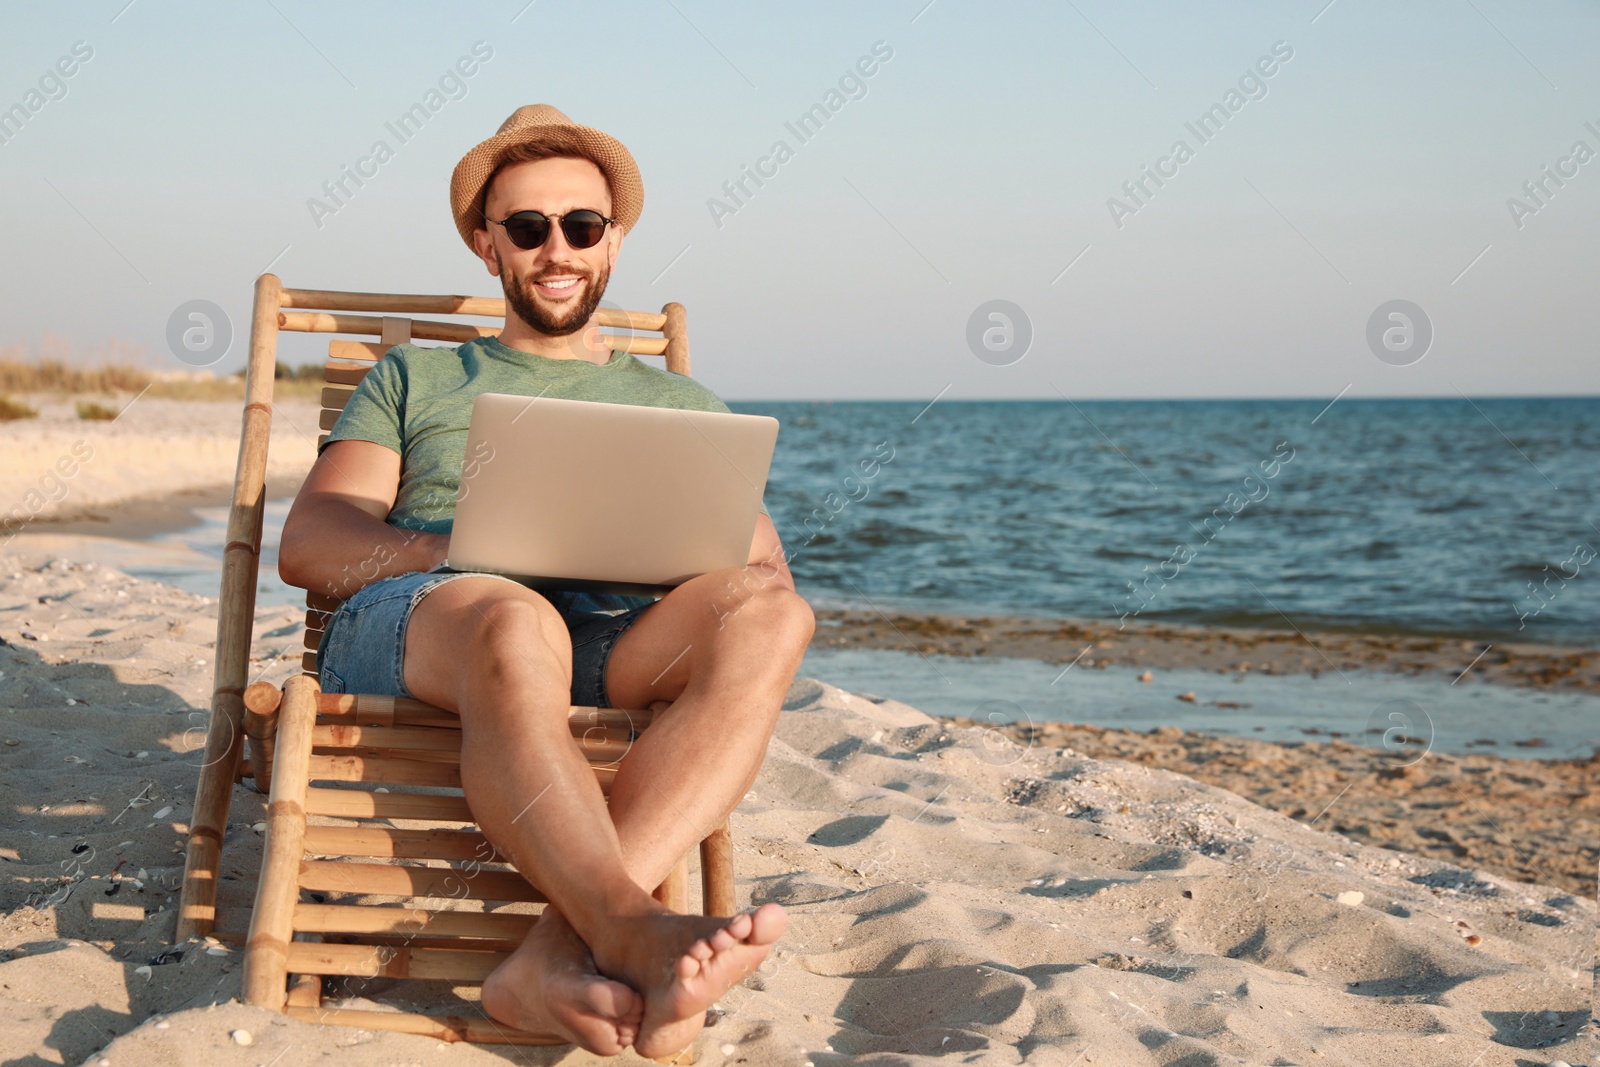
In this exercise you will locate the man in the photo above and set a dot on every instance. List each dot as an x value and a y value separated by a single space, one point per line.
606 966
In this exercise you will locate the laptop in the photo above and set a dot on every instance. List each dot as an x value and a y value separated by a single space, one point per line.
607 498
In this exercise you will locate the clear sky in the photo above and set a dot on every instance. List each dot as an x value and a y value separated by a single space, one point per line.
976 163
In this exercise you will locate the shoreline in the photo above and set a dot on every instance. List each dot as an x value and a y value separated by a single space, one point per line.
141 518
1090 644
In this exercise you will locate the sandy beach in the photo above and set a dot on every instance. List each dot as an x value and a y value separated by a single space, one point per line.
155 461
1533 820
954 891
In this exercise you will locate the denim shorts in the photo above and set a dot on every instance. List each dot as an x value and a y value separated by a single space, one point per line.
363 646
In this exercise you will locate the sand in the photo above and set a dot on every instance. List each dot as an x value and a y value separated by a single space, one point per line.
142 470
956 894
1531 820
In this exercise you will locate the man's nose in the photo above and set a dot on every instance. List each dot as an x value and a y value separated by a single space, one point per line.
555 245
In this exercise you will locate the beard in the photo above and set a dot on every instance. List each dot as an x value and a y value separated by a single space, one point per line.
561 322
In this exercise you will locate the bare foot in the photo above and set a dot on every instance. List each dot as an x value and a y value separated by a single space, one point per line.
551 984
681 964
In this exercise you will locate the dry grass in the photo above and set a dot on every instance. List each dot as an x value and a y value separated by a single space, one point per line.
232 388
92 412
52 367
121 369
11 410
52 376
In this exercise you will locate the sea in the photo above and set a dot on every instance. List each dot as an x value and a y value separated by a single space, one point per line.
1475 519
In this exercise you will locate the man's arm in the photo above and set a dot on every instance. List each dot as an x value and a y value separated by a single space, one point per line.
767 555
335 540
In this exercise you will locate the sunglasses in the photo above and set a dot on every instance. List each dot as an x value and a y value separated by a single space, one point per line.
530 229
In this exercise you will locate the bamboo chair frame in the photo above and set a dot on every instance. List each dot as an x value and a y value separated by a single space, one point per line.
363 745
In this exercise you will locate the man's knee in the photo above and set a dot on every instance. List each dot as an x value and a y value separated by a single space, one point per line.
778 614
465 633
515 640
517 624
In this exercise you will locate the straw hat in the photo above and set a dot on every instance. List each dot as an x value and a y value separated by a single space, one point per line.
543 125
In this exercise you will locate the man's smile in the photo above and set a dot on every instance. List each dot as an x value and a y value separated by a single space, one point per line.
558 285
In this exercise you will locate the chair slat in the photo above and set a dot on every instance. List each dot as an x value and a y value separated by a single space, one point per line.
346 768
333 768
336 397
351 351
372 709
423 738
322 602
478 1028
384 961
317 620
344 373
391 303
395 880
429 330
421 329
305 990
629 320
599 744
463 944
368 709
639 346
379 919
424 756
361 804
387 842
308 661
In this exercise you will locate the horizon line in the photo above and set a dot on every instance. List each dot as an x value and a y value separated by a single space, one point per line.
1310 399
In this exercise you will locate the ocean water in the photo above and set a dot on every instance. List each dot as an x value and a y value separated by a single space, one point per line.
1469 518
1361 707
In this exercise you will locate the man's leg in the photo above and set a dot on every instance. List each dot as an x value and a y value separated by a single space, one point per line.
723 648
499 656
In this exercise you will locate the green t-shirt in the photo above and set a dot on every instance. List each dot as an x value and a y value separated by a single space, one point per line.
418 401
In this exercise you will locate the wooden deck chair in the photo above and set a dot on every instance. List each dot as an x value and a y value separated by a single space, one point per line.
372 868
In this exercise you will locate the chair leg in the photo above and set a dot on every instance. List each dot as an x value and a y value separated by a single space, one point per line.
674 892
197 904
266 958
716 873
261 702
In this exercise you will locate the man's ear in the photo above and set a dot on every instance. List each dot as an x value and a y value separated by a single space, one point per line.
614 237
483 245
